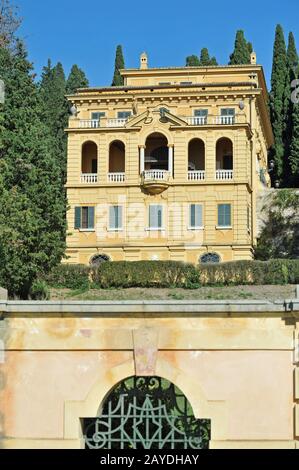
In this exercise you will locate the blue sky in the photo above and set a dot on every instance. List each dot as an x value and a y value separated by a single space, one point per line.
87 32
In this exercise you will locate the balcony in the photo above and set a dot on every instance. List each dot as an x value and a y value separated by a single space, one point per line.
89 123
197 120
116 122
196 175
116 177
155 181
224 175
225 120
89 178
214 120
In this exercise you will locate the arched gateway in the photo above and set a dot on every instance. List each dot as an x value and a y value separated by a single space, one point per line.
146 413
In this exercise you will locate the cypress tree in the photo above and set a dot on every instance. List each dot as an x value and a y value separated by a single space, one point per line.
192 61
119 64
279 80
292 54
32 211
77 79
241 54
205 58
294 148
55 111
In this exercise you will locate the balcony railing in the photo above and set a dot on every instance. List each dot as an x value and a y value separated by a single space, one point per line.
224 175
89 178
197 120
96 124
89 123
116 122
161 175
116 177
225 120
198 175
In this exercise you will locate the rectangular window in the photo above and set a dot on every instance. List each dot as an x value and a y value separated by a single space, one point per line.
97 116
228 112
84 218
155 217
200 112
115 218
164 83
185 83
123 114
195 216
224 215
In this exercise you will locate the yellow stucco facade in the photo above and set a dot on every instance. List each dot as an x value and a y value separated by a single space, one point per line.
168 166
235 361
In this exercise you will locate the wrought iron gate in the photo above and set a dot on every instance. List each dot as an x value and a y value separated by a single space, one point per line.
146 413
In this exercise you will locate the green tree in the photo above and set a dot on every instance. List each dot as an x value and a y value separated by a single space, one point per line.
290 165
294 148
32 211
279 82
205 58
77 79
55 112
241 54
9 23
192 61
119 64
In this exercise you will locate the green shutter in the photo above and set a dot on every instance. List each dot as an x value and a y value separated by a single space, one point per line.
192 215
198 215
119 217
77 217
91 217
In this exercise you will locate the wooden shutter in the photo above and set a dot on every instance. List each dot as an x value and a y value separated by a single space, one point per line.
77 217
91 217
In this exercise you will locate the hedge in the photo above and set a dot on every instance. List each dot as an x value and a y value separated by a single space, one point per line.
145 274
168 274
69 276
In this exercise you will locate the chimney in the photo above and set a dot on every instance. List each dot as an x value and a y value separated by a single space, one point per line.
253 58
143 61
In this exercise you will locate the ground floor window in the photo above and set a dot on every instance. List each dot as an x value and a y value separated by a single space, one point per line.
146 413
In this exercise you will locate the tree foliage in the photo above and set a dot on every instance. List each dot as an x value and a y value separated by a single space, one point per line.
119 64
9 23
77 79
242 50
203 60
32 212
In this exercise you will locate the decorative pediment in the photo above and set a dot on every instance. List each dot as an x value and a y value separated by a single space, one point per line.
158 114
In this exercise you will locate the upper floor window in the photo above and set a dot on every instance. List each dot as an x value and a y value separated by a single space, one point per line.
97 116
195 216
164 83
224 215
123 114
156 217
185 83
84 218
227 116
200 112
115 218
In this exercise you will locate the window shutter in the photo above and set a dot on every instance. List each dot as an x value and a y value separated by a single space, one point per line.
155 216
77 217
119 216
228 215
91 217
198 215
159 209
192 215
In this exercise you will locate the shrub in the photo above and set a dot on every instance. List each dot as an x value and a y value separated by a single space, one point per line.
39 290
69 276
145 274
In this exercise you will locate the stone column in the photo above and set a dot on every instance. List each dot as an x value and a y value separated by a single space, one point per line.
141 154
170 159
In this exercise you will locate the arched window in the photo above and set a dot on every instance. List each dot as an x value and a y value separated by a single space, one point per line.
146 413
89 158
224 154
207 258
156 152
97 260
196 155
117 157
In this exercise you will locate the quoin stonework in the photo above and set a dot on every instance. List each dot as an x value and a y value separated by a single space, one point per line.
169 166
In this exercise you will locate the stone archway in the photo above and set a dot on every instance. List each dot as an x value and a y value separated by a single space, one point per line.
76 411
146 413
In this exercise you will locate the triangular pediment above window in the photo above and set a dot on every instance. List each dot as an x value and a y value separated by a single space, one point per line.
160 113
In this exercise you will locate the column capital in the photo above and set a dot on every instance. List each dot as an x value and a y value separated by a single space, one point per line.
141 146
170 145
